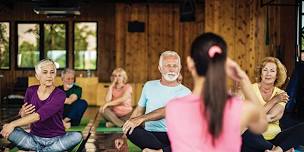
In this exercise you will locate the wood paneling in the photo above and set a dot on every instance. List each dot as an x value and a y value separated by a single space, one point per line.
139 53
243 24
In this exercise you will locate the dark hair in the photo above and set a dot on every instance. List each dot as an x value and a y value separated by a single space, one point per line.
213 68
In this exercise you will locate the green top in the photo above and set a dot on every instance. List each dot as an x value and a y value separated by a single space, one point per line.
74 90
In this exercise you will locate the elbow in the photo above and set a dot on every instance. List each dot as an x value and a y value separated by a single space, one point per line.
263 125
263 122
260 126
36 116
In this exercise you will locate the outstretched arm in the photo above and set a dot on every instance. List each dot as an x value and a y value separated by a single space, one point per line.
8 128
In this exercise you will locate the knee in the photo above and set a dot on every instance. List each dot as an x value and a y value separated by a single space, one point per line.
106 111
134 133
15 133
18 135
78 136
82 103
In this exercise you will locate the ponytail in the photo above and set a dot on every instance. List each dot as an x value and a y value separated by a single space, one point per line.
215 94
209 52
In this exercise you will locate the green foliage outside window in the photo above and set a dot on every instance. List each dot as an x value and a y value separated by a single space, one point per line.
85 45
4 45
28 45
55 43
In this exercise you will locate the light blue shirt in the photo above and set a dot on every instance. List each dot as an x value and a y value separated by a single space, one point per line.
154 96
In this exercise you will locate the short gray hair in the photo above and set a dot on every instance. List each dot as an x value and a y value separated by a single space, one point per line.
67 70
168 53
44 62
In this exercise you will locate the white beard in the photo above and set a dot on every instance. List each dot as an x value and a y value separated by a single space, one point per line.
170 76
69 86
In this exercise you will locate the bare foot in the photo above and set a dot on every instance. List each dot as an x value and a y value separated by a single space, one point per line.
291 150
109 124
152 150
275 149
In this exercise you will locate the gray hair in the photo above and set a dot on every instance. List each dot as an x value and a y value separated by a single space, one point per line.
168 53
67 70
42 63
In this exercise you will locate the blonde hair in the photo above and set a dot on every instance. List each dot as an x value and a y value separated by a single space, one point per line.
281 70
43 63
122 72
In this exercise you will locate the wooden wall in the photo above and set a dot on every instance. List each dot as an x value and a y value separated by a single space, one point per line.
251 31
139 53
244 26
241 22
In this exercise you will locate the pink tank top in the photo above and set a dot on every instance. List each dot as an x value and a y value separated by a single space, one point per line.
188 128
125 107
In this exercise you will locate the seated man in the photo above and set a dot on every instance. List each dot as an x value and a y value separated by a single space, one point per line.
43 110
150 109
74 107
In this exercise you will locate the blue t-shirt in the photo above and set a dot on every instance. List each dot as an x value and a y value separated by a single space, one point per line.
154 96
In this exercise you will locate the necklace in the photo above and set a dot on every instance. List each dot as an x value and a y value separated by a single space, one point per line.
266 92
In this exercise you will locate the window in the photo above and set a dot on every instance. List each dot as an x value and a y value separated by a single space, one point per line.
41 40
85 45
300 29
55 43
28 45
4 45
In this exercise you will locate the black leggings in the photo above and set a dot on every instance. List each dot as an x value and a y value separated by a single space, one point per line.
286 139
147 139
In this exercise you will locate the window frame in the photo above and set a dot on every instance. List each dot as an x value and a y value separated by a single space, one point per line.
300 30
41 41
73 45
9 46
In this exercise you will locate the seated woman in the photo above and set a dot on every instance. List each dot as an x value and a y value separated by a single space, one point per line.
118 99
210 120
74 107
45 119
271 74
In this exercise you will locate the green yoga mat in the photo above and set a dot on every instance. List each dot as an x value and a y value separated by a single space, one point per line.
132 147
108 130
14 149
76 128
83 123
103 129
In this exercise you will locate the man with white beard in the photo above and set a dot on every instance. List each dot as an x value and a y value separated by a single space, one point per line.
151 107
